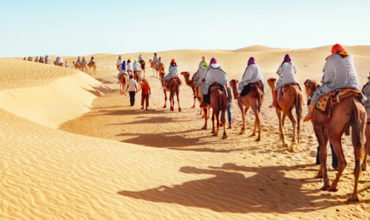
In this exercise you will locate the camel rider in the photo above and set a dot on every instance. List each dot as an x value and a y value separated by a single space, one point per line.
214 74
122 70
140 58
47 60
201 63
172 73
61 61
339 73
92 60
129 67
251 75
136 66
119 62
200 75
366 92
57 60
78 60
159 62
83 61
155 59
286 74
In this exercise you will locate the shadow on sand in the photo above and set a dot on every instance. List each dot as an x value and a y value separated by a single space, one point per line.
268 191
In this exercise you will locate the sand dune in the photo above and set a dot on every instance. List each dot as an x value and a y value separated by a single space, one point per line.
157 164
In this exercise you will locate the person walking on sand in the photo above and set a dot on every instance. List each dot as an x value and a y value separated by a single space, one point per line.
145 93
339 73
132 89
286 74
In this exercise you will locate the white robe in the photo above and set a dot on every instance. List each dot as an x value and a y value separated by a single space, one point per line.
251 74
129 67
286 74
200 76
214 74
137 67
172 73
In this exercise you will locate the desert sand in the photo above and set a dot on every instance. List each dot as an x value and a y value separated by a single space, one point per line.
72 147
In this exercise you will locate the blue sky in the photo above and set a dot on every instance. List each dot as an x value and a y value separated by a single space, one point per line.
85 27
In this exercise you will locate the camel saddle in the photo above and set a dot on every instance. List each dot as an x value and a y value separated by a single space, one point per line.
175 78
247 88
327 102
284 88
213 87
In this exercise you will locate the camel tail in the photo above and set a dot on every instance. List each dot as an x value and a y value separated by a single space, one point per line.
259 99
298 105
222 105
358 125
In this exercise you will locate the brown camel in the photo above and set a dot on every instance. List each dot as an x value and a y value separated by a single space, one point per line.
292 97
137 76
218 103
330 126
154 67
253 99
191 84
92 66
58 64
173 88
122 82
142 65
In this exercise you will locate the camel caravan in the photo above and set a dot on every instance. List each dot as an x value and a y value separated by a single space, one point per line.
79 64
334 106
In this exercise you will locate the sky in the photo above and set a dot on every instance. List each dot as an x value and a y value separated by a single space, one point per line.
72 27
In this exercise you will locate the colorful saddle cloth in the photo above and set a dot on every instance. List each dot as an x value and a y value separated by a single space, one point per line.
335 97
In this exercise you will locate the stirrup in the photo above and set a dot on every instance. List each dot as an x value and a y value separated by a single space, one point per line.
307 118
272 105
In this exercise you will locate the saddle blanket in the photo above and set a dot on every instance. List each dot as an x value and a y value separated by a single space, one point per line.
336 96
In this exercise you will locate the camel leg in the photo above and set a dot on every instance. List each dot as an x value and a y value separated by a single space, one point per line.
282 138
165 99
213 123
337 145
283 120
323 141
257 123
367 148
294 124
172 101
178 99
223 120
205 118
217 115
243 111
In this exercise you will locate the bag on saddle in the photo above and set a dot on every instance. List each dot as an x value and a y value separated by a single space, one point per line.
284 88
247 88
327 102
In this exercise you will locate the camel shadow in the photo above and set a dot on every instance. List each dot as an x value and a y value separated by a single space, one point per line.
99 91
230 188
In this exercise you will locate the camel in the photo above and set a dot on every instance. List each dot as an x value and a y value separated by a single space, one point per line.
142 65
253 99
122 83
58 64
330 126
92 66
191 84
173 88
218 103
137 76
292 97
77 65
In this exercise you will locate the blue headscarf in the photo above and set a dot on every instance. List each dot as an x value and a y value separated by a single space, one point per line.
123 67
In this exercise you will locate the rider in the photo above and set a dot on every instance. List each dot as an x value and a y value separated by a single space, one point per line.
172 72
78 60
155 59
136 66
286 74
61 61
202 62
83 61
119 62
92 60
129 67
339 73
159 62
200 75
214 74
366 92
140 58
251 74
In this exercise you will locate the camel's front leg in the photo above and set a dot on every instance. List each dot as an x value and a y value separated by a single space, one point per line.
282 138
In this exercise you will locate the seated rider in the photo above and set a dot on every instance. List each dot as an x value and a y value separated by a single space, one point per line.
214 74
78 60
200 75
119 62
129 67
92 60
155 59
286 74
339 73
140 58
83 61
159 62
366 92
136 66
172 73
122 70
251 75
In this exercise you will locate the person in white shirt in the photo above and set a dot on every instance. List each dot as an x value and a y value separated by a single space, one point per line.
132 89
119 62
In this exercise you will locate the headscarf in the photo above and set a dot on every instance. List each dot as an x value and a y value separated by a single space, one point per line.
123 65
287 58
173 61
213 60
251 61
338 49
203 58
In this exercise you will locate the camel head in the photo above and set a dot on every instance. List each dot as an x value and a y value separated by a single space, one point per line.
310 87
271 82
233 85
185 74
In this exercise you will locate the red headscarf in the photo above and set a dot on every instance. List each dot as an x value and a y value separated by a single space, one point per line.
173 61
338 49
